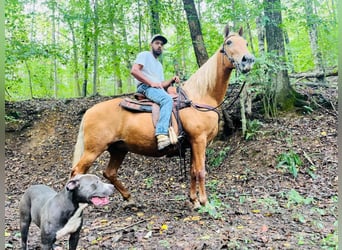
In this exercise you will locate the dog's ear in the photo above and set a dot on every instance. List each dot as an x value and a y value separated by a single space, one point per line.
72 185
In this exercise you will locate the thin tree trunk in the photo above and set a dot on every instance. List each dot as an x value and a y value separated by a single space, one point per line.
96 41
75 55
313 34
261 35
250 38
140 25
30 79
196 32
85 49
55 75
33 21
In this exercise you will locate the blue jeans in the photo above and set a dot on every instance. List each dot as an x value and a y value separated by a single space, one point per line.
161 97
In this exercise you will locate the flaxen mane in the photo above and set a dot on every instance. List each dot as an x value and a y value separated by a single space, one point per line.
203 80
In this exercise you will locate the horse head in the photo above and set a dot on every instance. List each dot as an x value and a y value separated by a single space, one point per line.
236 51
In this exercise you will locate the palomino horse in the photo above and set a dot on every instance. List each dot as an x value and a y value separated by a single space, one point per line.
107 126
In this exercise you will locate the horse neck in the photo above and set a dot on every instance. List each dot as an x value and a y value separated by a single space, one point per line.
210 82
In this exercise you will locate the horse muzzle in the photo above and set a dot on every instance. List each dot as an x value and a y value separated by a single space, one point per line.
246 64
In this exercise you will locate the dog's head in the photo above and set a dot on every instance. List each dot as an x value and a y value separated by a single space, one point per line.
88 188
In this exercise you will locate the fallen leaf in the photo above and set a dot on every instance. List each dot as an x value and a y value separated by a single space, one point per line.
263 228
148 235
140 214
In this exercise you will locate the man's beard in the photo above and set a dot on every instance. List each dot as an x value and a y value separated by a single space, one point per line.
157 52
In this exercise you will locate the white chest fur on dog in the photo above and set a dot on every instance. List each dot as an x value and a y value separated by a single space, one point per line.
73 223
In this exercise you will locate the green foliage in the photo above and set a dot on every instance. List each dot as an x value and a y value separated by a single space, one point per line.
213 207
330 241
123 30
215 158
252 129
212 185
289 162
149 182
269 203
295 199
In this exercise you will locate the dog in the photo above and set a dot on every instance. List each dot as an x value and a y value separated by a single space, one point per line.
60 214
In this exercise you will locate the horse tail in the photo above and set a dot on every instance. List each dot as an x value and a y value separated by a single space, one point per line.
79 147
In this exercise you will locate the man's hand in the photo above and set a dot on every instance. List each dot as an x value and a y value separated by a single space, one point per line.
175 79
158 85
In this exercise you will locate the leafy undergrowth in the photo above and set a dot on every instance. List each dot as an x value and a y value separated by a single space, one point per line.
277 190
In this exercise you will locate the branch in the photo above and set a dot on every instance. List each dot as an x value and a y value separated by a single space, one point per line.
315 74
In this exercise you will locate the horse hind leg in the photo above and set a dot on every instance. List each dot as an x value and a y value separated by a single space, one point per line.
84 163
110 173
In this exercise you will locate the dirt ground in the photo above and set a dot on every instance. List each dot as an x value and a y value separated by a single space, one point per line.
253 203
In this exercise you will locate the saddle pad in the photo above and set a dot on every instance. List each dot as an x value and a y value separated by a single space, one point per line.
138 106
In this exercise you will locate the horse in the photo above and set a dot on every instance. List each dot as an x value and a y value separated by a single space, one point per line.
107 126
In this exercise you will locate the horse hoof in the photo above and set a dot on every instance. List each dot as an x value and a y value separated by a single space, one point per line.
197 205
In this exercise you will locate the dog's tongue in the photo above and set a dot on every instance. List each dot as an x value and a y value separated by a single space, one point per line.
100 201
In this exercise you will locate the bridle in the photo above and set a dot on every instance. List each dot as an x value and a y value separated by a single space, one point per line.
229 57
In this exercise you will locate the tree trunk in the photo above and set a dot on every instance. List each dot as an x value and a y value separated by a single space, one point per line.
29 78
261 35
154 21
281 91
196 32
55 75
313 34
96 42
85 49
75 55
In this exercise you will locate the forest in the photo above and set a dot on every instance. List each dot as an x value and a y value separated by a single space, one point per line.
271 172
63 49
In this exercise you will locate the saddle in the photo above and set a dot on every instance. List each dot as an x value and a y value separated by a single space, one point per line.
142 104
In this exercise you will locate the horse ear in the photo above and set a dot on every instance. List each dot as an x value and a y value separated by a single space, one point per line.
241 31
226 30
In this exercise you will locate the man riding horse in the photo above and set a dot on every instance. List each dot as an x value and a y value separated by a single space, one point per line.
149 76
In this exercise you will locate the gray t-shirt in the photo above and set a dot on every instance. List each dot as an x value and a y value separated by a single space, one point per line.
152 68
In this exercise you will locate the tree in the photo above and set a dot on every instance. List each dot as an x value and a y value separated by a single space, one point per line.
195 32
53 6
311 19
282 95
154 18
86 39
96 43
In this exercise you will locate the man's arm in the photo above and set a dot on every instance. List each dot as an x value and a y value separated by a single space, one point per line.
169 82
137 73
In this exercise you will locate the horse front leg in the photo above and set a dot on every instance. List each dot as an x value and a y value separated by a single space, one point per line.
197 175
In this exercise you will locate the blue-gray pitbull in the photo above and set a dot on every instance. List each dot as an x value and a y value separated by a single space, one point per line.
60 214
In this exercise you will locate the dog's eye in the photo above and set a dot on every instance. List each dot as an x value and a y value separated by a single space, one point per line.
229 42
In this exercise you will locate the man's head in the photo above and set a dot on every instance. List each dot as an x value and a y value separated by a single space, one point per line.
157 43
160 38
